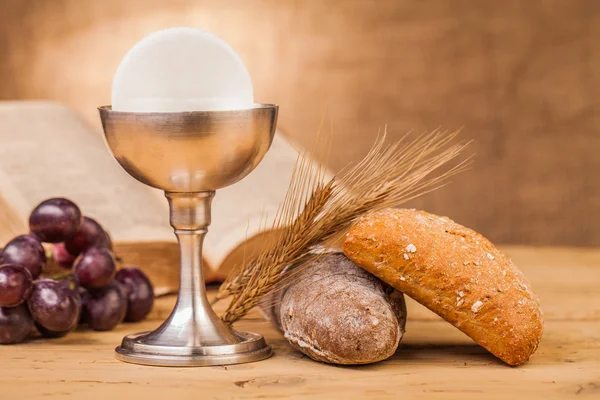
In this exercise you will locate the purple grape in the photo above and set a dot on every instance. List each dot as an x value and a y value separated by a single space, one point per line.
95 268
16 284
26 251
55 220
51 334
83 294
140 293
54 306
15 324
62 257
106 307
90 234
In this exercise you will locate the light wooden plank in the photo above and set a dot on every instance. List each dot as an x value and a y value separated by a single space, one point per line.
435 359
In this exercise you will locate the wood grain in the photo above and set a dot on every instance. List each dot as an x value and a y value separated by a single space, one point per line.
518 75
435 360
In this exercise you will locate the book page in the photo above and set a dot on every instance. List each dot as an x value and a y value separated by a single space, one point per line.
49 151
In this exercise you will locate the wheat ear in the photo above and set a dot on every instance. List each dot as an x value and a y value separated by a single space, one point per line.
315 211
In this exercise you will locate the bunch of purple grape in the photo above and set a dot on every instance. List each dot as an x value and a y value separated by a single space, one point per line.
92 292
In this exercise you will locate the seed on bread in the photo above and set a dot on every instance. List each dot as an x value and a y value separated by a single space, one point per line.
455 272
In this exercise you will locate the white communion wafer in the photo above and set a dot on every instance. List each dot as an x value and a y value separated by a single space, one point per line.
181 69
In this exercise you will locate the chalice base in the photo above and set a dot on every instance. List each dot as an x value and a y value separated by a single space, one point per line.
252 347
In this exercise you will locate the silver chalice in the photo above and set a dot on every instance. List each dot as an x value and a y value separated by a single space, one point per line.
189 155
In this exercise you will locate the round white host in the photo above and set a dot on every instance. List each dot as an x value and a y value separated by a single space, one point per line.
181 69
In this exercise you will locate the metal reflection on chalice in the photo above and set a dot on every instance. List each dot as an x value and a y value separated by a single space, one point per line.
190 155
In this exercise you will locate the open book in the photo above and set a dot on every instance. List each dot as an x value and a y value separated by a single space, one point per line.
49 151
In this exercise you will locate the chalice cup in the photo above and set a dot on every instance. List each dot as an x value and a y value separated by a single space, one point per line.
189 155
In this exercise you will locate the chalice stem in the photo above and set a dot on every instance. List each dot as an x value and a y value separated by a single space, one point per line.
193 321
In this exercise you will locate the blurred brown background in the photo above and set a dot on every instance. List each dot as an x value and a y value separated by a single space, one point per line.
521 77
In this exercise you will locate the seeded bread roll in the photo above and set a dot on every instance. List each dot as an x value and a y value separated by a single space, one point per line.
456 273
335 312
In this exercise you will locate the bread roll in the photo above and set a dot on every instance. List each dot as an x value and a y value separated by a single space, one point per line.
456 273
336 312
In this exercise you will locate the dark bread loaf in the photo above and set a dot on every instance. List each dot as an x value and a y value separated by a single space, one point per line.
336 312
455 272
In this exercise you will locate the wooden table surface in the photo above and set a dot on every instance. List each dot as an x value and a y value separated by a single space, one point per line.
434 360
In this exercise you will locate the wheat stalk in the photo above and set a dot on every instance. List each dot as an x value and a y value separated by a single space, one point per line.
314 211
307 180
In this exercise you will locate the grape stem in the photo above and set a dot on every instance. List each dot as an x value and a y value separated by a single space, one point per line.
59 277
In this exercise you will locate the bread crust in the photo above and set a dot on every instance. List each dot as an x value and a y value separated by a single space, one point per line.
455 272
336 312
